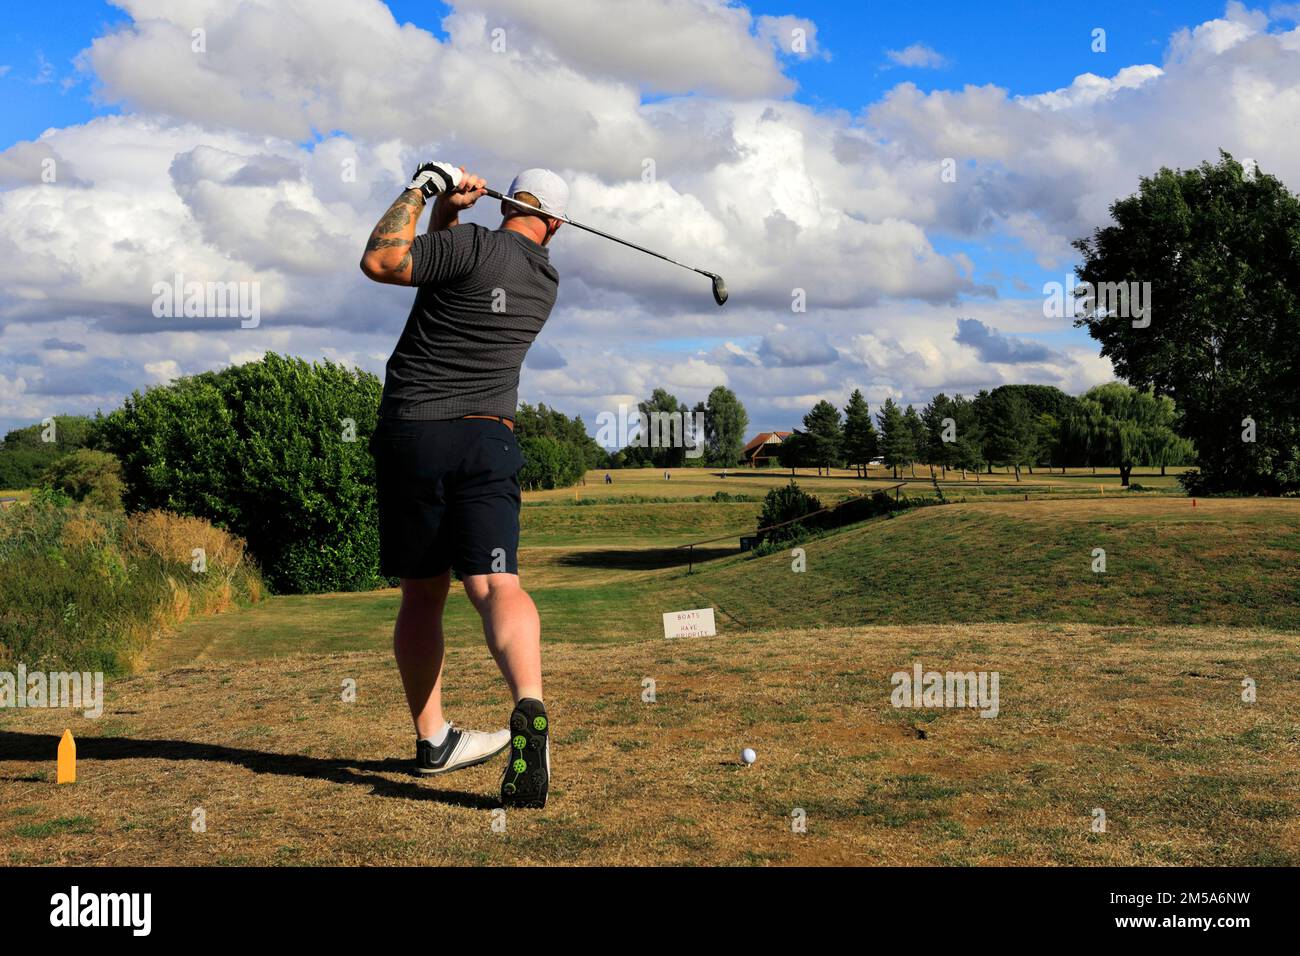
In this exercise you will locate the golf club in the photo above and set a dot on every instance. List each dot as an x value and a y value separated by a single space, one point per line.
719 286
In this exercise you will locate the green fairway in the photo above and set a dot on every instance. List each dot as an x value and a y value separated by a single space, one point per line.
1222 562
607 571
661 523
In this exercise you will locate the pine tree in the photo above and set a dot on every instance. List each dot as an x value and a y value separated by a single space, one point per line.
937 451
822 426
1009 437
917 428
861 443
896 442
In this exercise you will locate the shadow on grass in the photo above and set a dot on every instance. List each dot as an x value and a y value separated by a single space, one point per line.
43 747
643 559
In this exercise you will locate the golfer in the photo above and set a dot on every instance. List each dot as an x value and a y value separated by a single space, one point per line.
446 458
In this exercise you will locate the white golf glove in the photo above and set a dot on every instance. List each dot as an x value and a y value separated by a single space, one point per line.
434 179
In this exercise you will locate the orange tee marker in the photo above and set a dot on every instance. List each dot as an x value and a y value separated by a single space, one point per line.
67 767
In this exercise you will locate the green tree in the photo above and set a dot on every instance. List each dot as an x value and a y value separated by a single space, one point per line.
826 440
919 437
1130 426
1222 339
1083 435
796 451
549 463
1009 430
725 423
861 443
784 504
27 452
968 447
274 451
1044 400
664 429
1047 442
540 421
935 450
68 433
897 443
94 477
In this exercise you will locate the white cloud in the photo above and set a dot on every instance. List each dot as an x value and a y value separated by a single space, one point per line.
1218 36
206 174
917 56
1088 88
668 46
162 372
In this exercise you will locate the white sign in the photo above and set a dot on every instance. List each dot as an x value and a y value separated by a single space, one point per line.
690 623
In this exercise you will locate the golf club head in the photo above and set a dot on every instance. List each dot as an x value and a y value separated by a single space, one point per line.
719 289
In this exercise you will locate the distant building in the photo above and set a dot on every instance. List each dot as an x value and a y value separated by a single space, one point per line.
762 448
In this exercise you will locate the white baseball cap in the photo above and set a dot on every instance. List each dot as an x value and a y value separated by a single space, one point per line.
551 191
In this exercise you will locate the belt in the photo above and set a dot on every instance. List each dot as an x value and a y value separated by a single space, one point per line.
509 423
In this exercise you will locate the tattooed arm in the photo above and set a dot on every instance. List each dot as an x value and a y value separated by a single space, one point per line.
388 253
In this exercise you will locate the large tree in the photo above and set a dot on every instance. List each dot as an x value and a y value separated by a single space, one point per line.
822 426
1009 429
1128 426
897 444
25 453
795 451
664 435
537 421
934 416
725 421
1219 247
274 451
861 444
968 448
1083 435
1048 407
920 439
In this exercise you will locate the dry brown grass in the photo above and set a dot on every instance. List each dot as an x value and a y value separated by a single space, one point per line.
1147 724
173 539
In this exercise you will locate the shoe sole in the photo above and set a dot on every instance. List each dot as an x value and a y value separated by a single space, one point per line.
422 772
529 788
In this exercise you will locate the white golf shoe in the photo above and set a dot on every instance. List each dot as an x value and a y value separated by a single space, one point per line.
462 748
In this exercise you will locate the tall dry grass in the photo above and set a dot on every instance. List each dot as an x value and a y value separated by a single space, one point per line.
90 589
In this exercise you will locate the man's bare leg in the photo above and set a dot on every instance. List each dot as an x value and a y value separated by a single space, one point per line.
512 628
418 647
514 636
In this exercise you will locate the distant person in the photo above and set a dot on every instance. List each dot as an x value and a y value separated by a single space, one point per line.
608 480
446 458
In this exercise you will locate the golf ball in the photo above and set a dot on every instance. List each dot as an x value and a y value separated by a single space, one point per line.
748 756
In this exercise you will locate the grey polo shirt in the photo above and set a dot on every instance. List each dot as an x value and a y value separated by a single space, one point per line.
482 297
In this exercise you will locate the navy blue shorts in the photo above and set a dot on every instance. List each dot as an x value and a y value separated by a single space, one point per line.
448 497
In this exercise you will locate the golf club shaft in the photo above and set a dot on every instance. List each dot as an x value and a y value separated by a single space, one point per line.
533 209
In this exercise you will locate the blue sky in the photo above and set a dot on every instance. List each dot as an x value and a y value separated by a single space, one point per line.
897 340
1019 46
